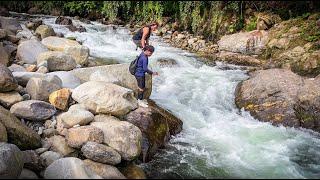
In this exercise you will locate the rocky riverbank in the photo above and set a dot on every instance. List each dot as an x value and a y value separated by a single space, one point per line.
52 125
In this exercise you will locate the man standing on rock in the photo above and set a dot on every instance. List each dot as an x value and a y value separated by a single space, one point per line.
141 69
141 38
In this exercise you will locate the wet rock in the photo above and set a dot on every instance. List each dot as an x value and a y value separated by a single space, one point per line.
114 99
29 50
133 171
120 71
101 153
33 110
69 168
166 62
238 59
104 170
11 161
18 133
63 20
122 136
10 98
78 136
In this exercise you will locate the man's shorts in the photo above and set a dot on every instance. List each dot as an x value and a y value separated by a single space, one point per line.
141 82
138 43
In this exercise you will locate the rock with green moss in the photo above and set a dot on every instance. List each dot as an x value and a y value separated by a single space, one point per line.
19 134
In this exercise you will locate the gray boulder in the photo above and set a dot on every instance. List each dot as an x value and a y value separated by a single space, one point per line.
11 161
29 50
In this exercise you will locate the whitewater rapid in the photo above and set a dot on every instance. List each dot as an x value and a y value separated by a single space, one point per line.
218 140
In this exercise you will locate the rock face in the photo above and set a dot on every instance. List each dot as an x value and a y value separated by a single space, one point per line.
41 88
68 79
29 50
60 98
33 110
113 99
69 168
252 42
101 153
11 24
76 115
78 136
10 98
154 125
120 71
11 161
281 97
45 31
56 61
19 134
104 170
3 133
7 81
122 136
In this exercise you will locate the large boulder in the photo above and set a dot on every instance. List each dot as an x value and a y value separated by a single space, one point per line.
153 122
69 168
122 136
9 23
58 44
113 99
252 42
10 98
7 80
18 133
56 61
45 31
79 53
60 98
101 153
105 77
29 50
4 56
281 97
104 170
59 145
11 161
41 88
3 133
68 79
33 110
78 136
76 115
120 71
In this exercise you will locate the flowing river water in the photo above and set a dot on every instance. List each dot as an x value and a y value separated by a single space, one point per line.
218 140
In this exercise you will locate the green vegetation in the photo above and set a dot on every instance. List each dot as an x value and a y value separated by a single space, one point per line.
208 18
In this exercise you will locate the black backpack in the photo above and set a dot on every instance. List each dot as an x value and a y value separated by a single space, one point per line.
133 66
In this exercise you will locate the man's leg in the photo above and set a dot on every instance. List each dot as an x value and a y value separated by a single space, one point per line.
141 86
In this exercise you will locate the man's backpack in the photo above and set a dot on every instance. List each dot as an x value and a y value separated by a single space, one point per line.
133 66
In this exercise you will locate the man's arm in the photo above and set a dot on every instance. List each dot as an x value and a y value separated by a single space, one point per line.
145 66
145 31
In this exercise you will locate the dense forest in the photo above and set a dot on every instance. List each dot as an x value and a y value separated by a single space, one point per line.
198 17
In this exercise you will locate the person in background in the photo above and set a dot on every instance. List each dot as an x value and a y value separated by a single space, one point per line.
141 69
141 38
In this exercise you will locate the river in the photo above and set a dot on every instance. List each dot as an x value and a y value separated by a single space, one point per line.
218 140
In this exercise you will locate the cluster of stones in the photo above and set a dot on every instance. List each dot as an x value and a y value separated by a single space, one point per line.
61 119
